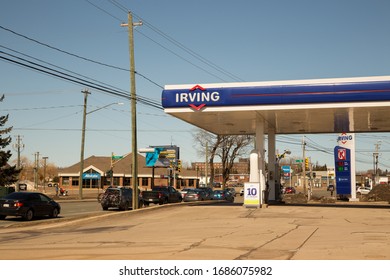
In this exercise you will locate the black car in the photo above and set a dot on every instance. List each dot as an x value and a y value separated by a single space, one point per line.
118 197
28 205
222 195
208 190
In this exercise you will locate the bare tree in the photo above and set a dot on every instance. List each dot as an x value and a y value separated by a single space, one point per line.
233 147
227 147
205 139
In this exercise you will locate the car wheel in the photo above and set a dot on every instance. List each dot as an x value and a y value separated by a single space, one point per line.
29 215
105 208
2 217
54 213
146 203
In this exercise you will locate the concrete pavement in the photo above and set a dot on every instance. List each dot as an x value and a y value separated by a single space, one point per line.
349 231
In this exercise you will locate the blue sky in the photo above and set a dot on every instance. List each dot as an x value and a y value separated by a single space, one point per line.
181 42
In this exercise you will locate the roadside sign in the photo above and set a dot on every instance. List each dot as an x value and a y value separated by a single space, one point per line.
162 156
286 168
95 176
116 157
252 194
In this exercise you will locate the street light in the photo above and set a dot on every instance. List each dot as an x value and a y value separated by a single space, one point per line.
277 172
85 113
286 152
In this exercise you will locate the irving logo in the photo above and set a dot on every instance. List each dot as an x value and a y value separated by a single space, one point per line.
197 97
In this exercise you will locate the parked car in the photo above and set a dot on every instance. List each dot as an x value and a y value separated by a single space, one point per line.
208 191
232 191
222 195
195 195
28 205
363 190
161 195
289 190
183 192
118 197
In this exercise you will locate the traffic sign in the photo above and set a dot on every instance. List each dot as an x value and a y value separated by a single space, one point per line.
117 157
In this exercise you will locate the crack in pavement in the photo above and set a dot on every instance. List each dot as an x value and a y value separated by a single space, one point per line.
199 243
291 253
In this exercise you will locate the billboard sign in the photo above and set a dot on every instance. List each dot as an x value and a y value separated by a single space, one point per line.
162 156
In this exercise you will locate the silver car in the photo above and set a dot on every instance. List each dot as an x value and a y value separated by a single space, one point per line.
183 192
195 195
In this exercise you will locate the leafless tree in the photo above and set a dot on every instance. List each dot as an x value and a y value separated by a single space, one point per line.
226 147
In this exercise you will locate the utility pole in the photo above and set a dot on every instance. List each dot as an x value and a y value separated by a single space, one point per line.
86 92
36 170
376 162
303 164
18 147
44 173
133 99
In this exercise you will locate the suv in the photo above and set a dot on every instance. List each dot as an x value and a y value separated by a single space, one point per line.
118 197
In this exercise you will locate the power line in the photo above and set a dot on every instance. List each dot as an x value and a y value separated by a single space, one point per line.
71 78
42 108
77 56
179 56
177 44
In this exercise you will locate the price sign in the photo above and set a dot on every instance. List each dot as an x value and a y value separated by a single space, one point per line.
343 171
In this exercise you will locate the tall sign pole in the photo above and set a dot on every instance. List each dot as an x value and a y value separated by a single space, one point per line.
133 108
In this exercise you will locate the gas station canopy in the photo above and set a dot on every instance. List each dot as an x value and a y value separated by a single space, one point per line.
288 107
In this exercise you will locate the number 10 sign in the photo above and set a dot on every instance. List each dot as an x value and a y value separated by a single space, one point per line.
252 194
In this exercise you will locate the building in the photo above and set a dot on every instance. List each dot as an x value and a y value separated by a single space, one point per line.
97 174
239 172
